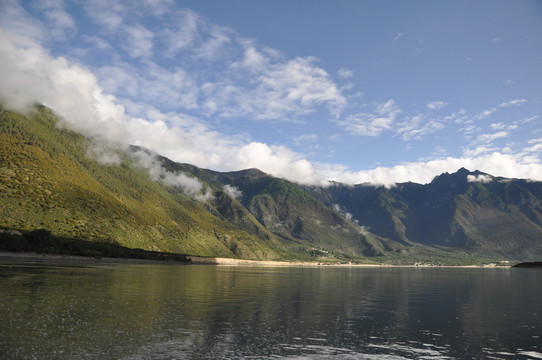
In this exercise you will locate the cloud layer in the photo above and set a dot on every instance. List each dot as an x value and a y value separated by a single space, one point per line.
170 84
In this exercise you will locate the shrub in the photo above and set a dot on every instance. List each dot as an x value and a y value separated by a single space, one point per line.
13 242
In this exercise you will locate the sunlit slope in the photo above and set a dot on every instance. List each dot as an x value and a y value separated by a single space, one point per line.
51 180
288 212
47 180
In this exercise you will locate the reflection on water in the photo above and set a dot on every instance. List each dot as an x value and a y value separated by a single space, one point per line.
206 312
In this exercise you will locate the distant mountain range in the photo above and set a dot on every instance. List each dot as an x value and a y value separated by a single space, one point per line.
472 212
78 188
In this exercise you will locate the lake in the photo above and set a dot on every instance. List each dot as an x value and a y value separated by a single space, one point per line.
87 311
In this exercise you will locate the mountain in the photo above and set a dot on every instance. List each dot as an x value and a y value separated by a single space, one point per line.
48 180
55 179
79 189
472 212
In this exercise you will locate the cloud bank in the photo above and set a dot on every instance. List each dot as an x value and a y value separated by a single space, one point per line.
232 191
149 92
189 185
484 179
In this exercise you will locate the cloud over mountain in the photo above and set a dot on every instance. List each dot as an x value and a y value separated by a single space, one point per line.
154 74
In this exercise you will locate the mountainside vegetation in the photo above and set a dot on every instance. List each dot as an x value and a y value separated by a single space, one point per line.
48 181
56 182
464 211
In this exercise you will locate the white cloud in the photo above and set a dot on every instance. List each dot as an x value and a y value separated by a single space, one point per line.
439 151
486 113
61 19
516 102
30 75
470 130
276 160
232 191
488 138
274 90
416 127
108 14
73 92
250 81
345 73
436 105
481 178
138 41
151 84
59 22
534 148
305 138
479 150
253 60
189 185
527 120
211 49
497 126
26 31
372 124
458 117
103 154
536 145
33 76
158 7
183 34
296 86
483 143
98 43
495 163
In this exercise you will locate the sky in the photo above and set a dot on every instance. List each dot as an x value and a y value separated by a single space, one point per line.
308 90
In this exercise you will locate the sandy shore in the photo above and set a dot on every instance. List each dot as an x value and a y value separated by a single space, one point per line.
232 262
196 260
228 261
199 260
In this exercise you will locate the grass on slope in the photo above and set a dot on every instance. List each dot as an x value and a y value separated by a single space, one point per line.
48 181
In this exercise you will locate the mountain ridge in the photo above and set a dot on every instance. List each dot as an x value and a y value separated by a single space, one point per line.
471 210
52 179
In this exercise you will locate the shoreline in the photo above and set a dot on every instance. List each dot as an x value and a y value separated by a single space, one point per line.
197 260
194 260
201 260
6 256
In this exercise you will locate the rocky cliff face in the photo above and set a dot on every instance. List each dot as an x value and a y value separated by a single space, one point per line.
464 211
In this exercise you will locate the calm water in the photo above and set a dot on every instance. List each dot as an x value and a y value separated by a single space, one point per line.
208 312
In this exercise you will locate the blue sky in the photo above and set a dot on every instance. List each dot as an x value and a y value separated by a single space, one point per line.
309 90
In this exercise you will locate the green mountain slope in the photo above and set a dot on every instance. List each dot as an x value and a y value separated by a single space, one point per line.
50 179
269 207
292 213
54 179
47 180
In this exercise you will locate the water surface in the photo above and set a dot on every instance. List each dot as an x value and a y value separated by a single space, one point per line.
208 312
